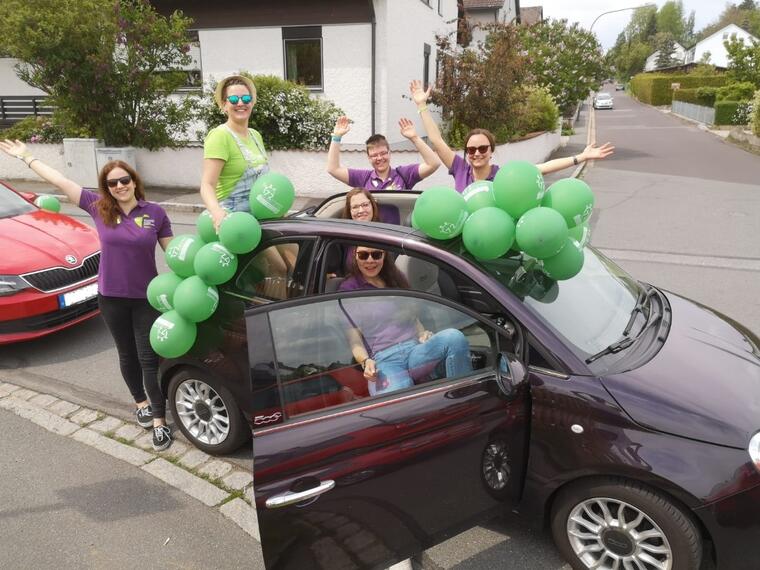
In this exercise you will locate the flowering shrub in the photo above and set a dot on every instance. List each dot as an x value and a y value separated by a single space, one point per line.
742 114
537 112
755 119
285 114
41 130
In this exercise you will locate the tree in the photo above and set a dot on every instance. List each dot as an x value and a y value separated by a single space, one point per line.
643 24
566 59
670 20
747 5
109 66
743 60
666 49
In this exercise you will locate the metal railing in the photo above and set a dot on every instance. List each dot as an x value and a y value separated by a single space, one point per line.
16 107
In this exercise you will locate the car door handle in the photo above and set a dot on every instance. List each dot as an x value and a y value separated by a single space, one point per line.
291 498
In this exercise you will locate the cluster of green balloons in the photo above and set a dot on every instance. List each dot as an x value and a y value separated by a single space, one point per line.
514 212
188 296
49 203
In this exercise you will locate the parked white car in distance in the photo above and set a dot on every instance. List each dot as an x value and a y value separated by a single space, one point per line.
603 101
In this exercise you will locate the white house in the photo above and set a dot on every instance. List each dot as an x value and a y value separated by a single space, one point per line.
714 45
678 56
480 13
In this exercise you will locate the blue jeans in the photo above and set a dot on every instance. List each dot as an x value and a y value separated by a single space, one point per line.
237 201
396 364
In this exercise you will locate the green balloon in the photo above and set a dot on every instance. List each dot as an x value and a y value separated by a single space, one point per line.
271 196
171 335
240 232
205 226
49 203
194 300
488 233
518 187
180 254
581 233
479 195
215 264
567 263
161 291
572 198
440 212
541 232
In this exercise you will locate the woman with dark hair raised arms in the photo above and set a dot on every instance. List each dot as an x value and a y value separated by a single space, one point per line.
479 146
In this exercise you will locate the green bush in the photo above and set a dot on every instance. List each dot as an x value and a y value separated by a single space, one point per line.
726 112
755 118
537 112
285 114
739 91
42 130
655 88
704 96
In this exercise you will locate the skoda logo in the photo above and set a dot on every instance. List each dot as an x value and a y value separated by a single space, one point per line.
71 259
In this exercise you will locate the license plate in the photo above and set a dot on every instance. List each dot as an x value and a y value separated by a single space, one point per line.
77 295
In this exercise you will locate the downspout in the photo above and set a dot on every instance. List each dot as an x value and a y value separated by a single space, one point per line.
517 11
373 65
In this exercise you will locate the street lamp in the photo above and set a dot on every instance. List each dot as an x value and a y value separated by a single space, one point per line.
618 10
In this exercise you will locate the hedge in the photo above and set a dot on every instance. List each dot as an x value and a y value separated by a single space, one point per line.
696 96
654 88
725 112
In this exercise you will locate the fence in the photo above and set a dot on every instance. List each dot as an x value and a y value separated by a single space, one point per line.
14 108
699 113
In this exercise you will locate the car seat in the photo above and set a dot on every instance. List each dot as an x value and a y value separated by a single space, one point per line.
389 214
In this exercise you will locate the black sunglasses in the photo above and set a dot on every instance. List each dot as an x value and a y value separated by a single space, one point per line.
113 182
365 255
482 149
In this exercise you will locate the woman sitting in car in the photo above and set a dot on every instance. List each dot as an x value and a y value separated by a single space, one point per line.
393 346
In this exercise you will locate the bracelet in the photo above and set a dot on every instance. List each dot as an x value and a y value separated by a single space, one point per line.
29 164
420 109
575 160
336 138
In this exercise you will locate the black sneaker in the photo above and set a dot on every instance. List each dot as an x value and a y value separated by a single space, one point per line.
144 417
162 437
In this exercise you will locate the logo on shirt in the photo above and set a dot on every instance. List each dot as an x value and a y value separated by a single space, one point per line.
145 222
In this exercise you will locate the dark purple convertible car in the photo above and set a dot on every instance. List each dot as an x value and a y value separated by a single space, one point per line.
623 417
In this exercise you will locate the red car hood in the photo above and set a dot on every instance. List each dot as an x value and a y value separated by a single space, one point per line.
41 239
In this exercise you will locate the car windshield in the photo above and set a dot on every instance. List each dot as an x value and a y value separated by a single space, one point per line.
590 311
604 96
11 204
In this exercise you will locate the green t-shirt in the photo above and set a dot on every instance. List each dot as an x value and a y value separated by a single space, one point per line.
220 144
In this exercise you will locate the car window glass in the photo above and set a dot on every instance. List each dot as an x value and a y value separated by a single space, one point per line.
276 273
11 204
317 348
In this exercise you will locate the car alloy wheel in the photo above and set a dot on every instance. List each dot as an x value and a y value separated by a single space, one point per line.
607 533
202 412
495 468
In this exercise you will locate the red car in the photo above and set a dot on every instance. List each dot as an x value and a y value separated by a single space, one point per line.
48 269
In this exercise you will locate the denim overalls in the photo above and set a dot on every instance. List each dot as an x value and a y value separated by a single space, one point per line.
237 201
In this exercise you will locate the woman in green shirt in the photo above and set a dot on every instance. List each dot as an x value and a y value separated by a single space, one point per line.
233 154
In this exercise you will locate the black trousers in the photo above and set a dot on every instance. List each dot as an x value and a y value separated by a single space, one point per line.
129 321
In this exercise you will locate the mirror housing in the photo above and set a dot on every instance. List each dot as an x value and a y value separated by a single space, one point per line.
510 374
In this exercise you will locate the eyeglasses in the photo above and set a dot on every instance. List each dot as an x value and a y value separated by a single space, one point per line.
114 182
376 155
362 206
245 99
482 149
365 255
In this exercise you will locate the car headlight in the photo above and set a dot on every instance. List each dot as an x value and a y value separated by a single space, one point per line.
10 284
754 450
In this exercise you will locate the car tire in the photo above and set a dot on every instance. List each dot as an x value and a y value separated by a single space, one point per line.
603 520
206 412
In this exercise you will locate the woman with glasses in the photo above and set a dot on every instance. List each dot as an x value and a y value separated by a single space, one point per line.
381 176
479 147
391 345
233 154
129 227
361 206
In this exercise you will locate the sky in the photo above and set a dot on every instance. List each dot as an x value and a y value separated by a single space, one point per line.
609 26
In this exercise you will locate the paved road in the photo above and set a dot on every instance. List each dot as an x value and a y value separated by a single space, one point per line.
65 505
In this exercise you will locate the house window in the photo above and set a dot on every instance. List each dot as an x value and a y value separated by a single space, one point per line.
303 55
426 66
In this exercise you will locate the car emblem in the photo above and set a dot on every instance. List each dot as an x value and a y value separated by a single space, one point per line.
71 259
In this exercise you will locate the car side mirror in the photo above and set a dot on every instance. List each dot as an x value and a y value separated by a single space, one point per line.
510 374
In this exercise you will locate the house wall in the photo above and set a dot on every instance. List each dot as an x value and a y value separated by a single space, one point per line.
679 54
479 18
714 44
10 84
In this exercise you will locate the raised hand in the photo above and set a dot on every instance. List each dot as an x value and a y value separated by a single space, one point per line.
593 152
342 126
419 95
407 128
16 148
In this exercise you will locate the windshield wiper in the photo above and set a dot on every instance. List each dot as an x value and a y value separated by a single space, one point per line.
622 344
641 303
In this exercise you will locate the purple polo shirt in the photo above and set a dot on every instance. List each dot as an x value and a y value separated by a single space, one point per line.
379 319
462 173
400 178
128 249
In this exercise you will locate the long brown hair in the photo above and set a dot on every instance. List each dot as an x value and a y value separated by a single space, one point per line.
353 192
389 273
108 207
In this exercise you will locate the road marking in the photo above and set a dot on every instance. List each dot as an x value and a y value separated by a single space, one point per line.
737 263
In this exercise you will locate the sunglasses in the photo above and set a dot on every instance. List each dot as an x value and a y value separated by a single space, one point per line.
245 99
114 182
482 149
365 255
